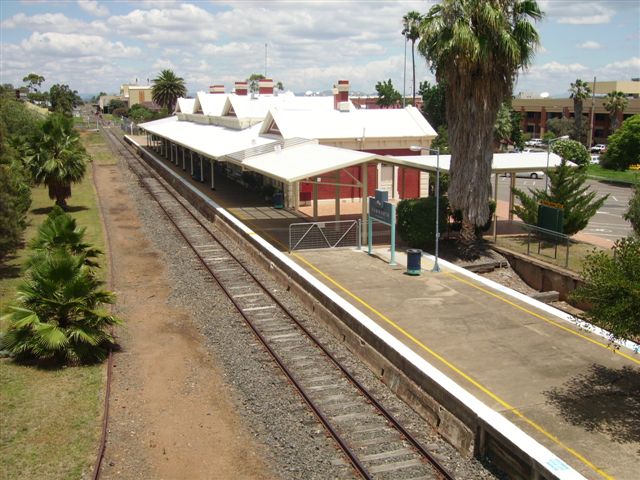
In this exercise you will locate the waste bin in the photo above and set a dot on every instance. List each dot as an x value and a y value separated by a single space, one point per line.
278 200
414 258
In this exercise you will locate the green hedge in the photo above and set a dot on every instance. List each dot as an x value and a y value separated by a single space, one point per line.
416 221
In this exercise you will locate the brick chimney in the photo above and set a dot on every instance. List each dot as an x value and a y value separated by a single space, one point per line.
241 88
265 86
216 89
341 95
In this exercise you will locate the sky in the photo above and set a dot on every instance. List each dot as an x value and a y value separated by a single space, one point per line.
95 46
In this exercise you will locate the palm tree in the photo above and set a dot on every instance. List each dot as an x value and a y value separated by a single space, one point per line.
57 314
59 231
615 103
410 30
477 48
580 91
167 88
56 157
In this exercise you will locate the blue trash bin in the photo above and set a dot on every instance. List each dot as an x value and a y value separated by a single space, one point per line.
414 258
278 200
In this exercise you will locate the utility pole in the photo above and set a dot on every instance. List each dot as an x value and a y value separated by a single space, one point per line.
593 102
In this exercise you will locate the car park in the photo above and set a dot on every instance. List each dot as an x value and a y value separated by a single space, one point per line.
599 148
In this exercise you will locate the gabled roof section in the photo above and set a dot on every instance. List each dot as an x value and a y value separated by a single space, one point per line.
211 104
304 161
186 105
332 124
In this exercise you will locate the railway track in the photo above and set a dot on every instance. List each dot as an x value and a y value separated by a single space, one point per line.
375 444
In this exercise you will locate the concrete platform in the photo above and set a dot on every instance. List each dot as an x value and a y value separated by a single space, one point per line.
563 386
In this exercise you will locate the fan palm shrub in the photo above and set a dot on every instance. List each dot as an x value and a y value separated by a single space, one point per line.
57 314
60 231
56 157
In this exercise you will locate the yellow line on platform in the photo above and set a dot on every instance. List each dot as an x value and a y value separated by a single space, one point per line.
467 377
542 317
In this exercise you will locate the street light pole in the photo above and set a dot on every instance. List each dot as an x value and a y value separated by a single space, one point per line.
418 148
546 173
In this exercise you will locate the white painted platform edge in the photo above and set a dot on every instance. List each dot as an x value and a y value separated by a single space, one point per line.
548 460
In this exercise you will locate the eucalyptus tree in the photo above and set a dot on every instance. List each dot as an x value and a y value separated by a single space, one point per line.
56 157
167 88
411 31
477 48
580 91
615 103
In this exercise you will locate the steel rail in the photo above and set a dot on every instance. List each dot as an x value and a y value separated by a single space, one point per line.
370 398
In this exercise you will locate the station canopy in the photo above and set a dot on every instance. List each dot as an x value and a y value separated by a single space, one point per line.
212 141
502 162
305 160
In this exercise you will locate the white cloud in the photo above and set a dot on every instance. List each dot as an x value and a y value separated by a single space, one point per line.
93 7
621 70
590 45
579 13
73 45
184 25
53 22
556 68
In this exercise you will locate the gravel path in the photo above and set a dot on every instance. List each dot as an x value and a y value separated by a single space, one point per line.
296 445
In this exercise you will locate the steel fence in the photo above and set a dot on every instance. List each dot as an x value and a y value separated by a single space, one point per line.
342 233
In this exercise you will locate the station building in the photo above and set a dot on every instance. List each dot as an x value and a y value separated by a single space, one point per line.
536 112
332 147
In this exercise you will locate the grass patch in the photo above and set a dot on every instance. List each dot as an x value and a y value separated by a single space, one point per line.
578 251
50 420
49 427
97 148
598 173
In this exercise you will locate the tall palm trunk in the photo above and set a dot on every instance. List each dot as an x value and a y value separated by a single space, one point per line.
471 115
577 112
413 62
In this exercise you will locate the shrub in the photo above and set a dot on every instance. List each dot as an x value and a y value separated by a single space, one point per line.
457 219
633 213
623 148
612 287
572 151
57 314
416 221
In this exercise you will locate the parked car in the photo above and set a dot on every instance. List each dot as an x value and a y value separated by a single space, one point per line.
595 159
535 142
599 148
534 175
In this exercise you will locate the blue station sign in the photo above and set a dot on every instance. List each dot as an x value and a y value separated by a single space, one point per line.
380 208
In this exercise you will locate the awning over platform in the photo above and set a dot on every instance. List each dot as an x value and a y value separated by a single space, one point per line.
502 162
210 140
305 161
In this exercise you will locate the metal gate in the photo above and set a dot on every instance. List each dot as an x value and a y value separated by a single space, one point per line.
343 233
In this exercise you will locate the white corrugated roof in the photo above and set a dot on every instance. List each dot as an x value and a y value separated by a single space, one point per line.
330 123
502 162
210 140
185 105
246 106
210 103
303 161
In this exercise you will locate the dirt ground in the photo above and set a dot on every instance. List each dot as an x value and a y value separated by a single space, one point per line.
171 417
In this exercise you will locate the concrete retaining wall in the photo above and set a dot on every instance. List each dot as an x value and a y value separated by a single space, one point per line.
460 418
540 275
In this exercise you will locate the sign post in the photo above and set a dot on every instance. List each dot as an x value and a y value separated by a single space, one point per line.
384 212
